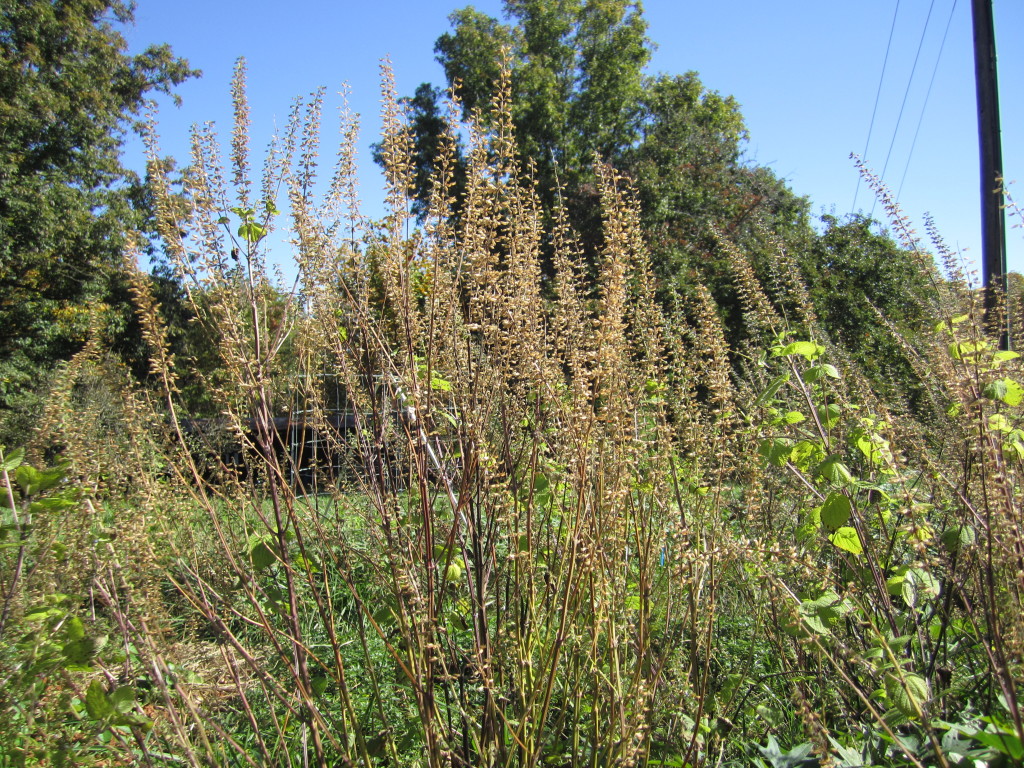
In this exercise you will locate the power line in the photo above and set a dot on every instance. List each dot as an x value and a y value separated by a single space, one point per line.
878 94
928 94
906 93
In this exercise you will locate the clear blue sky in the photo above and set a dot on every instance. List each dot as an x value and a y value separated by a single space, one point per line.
805 73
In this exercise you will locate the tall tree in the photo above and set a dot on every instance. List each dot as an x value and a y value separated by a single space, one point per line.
579 92
576 71
69 92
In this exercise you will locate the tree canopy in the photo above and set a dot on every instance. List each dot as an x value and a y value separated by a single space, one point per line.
69 92
579 94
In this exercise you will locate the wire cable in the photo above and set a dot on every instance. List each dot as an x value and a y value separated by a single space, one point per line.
878 94
906 93
927 95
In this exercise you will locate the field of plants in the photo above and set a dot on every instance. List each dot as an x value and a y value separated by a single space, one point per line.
565 515
573 526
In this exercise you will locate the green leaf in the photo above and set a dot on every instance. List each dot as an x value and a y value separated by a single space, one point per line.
1011 392
967 350
836 510
804 452
262 555
793 417
80 653
808 349
123 699
770 391
74 628
320 683
958 537
995 390
829 414
97 704
830 371
811 525
252 232
833 470
1003 355
50 504
874 447
1004 742
13 460
440 385
29 478
907 695
909 583
847 540
775 450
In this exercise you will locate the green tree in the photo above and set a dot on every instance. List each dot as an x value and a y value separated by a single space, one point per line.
576 70
859 276
69 92
579 92
692 180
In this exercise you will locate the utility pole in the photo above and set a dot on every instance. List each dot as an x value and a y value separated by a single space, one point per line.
993 225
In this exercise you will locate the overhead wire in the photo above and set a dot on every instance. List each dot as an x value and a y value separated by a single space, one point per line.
927 95
878 94
906 94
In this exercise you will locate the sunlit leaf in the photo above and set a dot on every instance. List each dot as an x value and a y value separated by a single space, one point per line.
847 540
836 510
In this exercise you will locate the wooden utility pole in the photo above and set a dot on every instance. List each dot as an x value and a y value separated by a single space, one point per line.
993 226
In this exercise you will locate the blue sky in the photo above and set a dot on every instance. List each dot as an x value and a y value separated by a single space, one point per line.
806 75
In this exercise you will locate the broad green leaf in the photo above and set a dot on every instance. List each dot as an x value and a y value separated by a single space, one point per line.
847 540
811 525
1004 742
1003 355
50 504
440 385
29 478
894 584
908 694
808 349
967 350
833 470
262 556
1012 393
13 460
454 572
74 628
804 452
252 232
793 417
80 653
836 510
820 614
813 621
775 450
829 414
123 699
97 704
830 371
874 447
995 390
770 391
958 537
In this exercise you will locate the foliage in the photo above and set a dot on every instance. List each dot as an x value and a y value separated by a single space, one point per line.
552 523
68 93
544 517
860 278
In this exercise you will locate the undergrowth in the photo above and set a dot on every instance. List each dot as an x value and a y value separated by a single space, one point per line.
556 523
